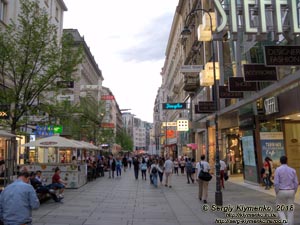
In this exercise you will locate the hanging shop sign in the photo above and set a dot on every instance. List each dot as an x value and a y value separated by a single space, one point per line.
191 68
282 55
182 125
238 84
271 105
258 9
191 82
107 97
225 93
65 84
259 72
169 124
174 106
108 125
206 107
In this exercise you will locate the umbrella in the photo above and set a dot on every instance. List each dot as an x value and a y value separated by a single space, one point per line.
54 141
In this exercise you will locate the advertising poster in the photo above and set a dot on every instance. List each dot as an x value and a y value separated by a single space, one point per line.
272 145
248 151
249 159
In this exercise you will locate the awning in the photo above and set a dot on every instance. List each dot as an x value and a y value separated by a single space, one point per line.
6 134
192 146
53 141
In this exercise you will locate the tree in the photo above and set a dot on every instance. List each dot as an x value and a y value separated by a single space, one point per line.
123 139
32 59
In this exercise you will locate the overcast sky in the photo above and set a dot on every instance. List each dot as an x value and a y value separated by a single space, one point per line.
128 40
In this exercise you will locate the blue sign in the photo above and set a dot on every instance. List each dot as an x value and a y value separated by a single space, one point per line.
174 106
44 131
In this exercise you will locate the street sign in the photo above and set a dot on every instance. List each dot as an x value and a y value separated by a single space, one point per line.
280 55
259 72
191 68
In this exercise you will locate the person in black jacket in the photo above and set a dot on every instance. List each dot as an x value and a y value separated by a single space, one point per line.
111 166
136 167
43 189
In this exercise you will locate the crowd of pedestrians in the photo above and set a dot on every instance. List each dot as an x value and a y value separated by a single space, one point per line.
28 188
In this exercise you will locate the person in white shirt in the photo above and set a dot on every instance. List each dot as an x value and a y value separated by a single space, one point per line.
168 168
223 170
203 185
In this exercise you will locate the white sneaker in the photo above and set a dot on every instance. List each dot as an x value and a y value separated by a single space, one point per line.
60 196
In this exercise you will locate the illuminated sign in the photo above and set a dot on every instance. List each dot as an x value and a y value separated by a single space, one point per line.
182 125
49 130
169 124
174 106
259 10
108 125
107 97
4 112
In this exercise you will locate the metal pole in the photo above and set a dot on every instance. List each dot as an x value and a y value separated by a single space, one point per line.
218 193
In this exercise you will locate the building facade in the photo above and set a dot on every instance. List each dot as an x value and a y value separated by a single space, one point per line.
251 109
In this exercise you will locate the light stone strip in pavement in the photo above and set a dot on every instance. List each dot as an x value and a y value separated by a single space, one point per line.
126 201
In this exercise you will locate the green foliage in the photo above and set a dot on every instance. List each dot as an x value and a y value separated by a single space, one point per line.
123 139
32 59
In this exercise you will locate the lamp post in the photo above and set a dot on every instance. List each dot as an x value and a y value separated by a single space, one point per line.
186 32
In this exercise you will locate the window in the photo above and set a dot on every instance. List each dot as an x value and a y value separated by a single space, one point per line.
2 9
57 14
47 3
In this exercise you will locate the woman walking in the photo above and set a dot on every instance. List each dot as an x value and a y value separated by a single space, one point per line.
143 168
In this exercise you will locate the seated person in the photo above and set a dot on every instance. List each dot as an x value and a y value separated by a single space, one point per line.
40 188
58 183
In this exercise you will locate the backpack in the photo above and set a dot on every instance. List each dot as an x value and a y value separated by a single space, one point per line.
189 166
154 170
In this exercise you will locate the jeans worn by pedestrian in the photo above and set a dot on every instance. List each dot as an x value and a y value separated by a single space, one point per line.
154 179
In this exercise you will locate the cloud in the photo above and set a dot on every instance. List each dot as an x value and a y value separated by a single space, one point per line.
151 42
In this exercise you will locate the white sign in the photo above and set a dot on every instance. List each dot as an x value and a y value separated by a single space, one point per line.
182 125
65 97
249 6
191 68
169 124
271 105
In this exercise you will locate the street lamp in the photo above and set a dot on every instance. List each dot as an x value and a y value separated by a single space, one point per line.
186 32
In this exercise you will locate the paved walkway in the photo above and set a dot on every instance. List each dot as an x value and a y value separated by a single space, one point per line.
126 201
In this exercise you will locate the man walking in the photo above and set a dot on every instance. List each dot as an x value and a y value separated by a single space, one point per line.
189 170
168 167
286 185
203 185
17 201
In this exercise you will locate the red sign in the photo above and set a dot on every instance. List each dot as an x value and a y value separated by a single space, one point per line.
107 97
108 125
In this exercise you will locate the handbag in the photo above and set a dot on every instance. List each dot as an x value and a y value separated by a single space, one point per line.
226 177
205 176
